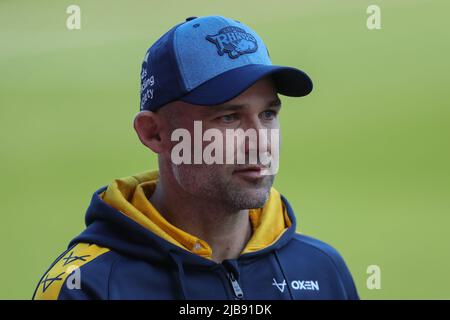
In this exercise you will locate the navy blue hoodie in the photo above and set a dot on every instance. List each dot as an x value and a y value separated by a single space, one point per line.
129 251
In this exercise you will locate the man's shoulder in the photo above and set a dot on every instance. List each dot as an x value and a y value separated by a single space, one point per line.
315 247
81 264
308 255
315 251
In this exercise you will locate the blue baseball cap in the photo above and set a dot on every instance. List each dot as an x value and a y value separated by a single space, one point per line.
210 60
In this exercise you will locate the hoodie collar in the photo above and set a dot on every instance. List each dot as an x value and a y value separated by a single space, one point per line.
130 196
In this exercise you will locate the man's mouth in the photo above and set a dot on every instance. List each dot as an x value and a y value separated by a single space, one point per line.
250 172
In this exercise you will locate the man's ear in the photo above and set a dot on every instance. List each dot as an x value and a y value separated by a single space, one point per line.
148 126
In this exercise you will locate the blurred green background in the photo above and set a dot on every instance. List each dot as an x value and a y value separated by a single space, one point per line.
365 159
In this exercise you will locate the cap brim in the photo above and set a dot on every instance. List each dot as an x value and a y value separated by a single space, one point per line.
288 81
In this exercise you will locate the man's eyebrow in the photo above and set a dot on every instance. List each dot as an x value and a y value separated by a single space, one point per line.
233 107
275 103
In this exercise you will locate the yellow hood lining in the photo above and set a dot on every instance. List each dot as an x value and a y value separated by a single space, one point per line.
130 196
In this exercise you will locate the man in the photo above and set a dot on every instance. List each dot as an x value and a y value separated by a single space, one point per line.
196 229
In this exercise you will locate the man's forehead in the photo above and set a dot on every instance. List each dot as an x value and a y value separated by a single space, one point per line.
197 110
273 102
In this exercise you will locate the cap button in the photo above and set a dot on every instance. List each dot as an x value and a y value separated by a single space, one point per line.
190 18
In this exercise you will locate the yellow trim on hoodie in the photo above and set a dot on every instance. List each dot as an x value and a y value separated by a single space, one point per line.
130 196
51 284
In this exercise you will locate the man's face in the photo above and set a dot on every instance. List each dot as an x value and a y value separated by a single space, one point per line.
235 186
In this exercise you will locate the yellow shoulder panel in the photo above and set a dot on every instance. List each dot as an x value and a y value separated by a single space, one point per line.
52 282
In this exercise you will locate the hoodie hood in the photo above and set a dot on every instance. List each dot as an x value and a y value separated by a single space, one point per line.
121 217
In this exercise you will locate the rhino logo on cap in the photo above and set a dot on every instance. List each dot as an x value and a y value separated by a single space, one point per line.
234 41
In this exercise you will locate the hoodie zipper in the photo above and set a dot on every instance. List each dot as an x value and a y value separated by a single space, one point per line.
238 294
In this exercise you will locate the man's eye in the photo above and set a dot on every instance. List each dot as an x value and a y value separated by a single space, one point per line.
269 115
228 118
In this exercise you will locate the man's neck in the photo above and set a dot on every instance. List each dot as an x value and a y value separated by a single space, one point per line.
226 231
